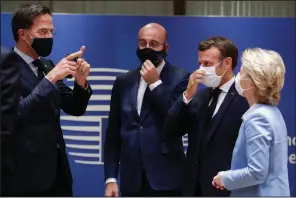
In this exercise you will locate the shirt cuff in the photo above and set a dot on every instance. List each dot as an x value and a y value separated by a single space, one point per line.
154 85
185 99
86 87
110 180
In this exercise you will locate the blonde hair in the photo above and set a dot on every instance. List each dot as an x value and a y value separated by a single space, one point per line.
267 71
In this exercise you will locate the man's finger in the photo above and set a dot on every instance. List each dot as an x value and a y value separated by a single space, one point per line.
144 68
80 60
72 68
150 63
73 55
146 65
71 63
142 73
82 48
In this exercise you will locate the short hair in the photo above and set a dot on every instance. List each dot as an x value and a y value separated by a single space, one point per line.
267 71
23 17
226 47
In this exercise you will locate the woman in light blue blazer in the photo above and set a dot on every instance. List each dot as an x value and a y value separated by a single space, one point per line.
260 157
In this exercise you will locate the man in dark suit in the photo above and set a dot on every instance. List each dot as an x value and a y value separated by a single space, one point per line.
41 163
4 52
210 116
149 165
9 79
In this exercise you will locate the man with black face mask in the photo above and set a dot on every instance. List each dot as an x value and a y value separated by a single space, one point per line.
41 166
150 165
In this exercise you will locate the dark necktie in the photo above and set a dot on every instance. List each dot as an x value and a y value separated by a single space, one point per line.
145 100
212 107
40 66
214 96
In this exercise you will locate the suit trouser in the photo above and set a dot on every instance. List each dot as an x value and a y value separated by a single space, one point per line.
61 186
147 191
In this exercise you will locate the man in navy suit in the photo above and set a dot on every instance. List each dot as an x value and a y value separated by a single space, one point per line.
211 117
9 81
149 165
41 166
4 52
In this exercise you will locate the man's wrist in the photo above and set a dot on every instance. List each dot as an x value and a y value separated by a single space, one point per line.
221 177
154 81
51 77
188 97
82 84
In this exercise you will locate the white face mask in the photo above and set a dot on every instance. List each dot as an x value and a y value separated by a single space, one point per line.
211 78
238 86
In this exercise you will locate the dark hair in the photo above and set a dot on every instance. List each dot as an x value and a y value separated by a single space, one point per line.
24 16
226 47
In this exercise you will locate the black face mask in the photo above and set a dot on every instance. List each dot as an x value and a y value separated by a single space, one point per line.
42 46
149 54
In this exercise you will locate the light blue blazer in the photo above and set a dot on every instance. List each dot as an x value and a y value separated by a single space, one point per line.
259 164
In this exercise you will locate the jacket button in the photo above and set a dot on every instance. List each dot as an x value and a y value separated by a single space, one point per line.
141 128
139 149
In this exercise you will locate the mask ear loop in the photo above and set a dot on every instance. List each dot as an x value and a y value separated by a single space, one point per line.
218 65
30 37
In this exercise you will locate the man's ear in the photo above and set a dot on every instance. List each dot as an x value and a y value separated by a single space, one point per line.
22 34
166 47
228 62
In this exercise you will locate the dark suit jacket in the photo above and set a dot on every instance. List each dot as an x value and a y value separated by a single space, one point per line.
38 134
9 81
4 52
220 141
137 141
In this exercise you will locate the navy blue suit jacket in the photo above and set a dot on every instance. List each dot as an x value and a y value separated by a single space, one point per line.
217 147
138 141
9 81
38 133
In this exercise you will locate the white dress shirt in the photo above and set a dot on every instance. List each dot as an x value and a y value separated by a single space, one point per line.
140 96
143 85
225 88
28 59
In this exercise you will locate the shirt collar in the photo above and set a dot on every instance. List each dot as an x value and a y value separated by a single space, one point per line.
25 57
226 86
160 67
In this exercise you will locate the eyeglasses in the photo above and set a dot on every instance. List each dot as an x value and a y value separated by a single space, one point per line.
152 44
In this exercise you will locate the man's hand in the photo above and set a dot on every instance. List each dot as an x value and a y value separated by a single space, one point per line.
82 70
195 78
149 73
64 68
217 182
111 190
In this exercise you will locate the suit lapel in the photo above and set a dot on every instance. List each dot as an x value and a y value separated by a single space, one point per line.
133 92
146 105
26 72
202 110
221 112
